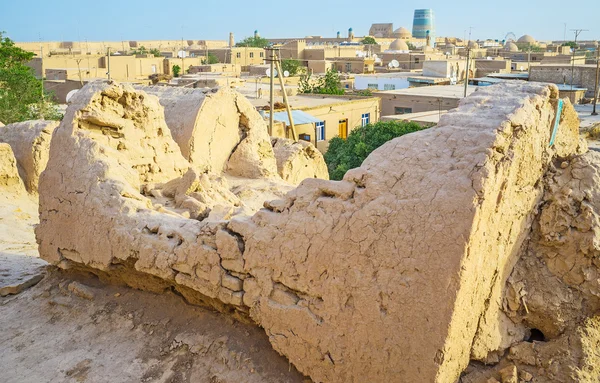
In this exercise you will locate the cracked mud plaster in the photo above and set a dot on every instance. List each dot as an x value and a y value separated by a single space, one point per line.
388 275
30 142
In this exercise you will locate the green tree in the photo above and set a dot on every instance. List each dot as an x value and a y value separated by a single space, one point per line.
155 52
411 46
328 84
291 65
210 59
368 40
254 42
571 44
140 51
21 94
176 70
343 155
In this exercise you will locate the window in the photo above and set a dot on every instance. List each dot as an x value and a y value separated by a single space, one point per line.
262 54
238 55
320 130
389 87
372 86
348 67
365 119
416 60
398 110
251 55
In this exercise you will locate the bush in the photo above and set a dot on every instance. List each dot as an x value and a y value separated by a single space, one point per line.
343 155
176 70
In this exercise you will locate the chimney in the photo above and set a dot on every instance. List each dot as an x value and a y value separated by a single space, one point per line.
231 40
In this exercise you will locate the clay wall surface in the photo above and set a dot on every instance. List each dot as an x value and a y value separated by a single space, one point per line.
396 273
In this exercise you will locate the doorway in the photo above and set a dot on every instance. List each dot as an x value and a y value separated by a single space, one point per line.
343 129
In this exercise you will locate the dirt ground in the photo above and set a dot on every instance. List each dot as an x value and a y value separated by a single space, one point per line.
85 331
71 327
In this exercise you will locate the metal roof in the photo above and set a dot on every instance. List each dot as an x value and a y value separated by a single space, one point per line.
299 117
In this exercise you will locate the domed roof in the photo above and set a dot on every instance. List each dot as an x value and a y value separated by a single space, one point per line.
403 32
398 45
473 45
511 47
526 39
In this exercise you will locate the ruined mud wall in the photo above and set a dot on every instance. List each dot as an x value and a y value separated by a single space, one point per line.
30 142
297 161
9 174
218 131
387 275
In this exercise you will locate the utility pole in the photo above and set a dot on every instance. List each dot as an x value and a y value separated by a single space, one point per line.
42 65
108 62
467 71
271 103
285 99
467 66
594 113
577 32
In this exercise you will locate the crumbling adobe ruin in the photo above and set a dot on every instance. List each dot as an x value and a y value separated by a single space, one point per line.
440 253
30 143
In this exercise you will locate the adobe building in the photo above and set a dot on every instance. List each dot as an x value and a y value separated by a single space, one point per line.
242 56
584 76
319 118
421 99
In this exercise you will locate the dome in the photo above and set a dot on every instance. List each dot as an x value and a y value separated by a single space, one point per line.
402 32
473 45
526 39
398 45
511 47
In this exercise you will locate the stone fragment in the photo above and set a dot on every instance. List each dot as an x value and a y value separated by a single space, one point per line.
81 290
19 272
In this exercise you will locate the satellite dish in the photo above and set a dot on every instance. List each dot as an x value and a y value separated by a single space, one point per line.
71 94
268 72
394 63
286 74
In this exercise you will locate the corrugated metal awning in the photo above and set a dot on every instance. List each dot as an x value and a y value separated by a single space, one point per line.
299 117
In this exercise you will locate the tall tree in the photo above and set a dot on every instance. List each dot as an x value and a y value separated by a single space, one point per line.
254 42
21 94
343 155
368 40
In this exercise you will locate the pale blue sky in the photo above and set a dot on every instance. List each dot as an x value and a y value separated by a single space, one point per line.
98 20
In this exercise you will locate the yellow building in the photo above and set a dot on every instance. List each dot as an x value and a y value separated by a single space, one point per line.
321 117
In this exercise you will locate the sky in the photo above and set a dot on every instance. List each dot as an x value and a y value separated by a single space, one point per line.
116 20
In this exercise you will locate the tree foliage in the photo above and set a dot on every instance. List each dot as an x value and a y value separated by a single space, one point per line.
411 46
253 42
176 70
21 94
291 65
155 52
369 40
210 59
343 155
571 44
328 84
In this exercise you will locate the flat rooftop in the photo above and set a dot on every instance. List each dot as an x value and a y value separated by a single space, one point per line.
445 91
390 75
432 117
